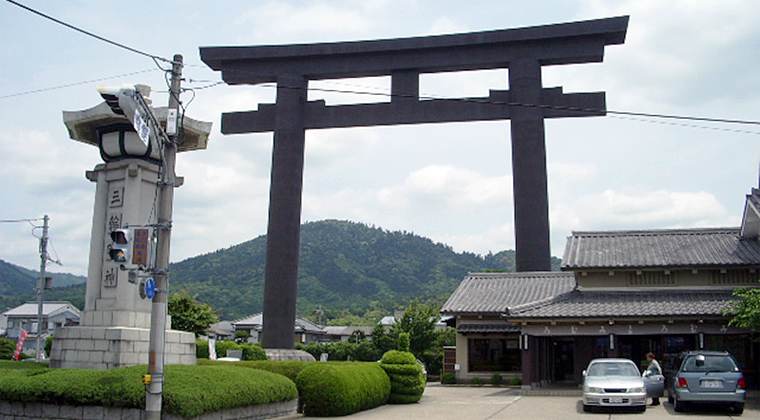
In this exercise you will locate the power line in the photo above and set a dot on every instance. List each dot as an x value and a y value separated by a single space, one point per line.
19 220
47 89
98 37
557 107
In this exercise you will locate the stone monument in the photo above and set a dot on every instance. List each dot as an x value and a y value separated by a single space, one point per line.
114 328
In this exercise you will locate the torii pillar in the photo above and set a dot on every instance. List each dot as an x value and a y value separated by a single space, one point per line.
523 51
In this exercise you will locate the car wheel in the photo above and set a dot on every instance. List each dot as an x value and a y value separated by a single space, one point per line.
738 408
678 405
642 409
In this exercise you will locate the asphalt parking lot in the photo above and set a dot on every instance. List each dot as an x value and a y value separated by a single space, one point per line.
486 403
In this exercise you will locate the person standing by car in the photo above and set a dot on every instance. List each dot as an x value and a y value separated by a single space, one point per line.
653 369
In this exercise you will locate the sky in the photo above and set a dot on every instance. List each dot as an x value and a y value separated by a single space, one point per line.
451 183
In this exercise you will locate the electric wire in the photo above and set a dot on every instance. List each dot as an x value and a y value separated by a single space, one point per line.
80 30
611 113
156 60
47 89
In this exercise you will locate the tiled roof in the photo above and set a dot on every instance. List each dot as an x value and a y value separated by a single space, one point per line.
493 292
659 248
588 304
48 309
257 322
504 327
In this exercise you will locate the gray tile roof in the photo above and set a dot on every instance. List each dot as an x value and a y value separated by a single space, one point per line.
488 328
660 248
256 322
588 304
484 293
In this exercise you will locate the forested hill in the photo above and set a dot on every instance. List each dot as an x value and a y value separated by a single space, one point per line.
345 267
356 273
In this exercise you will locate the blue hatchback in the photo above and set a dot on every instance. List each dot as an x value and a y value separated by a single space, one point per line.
707 377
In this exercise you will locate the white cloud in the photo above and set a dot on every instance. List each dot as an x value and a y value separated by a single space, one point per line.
650 209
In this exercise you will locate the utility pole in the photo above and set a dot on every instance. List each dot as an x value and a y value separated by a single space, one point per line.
41 283
156 350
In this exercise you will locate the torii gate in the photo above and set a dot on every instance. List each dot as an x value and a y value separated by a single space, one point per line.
523 51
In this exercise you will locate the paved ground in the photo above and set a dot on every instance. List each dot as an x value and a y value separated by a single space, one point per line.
467 403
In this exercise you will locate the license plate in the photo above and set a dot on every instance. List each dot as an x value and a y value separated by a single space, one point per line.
616 400
712 384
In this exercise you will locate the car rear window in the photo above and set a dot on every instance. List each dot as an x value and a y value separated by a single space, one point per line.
710 364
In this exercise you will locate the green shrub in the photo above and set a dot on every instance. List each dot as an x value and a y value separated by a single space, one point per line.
449 378
201 349
224 345
289 369
332 389
403 341
189 391
496 379
406 377
515 381
253 352
476 381
364 351
7 347
193 390
396 357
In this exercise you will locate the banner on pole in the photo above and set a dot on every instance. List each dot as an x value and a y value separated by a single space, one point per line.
20 344
211 349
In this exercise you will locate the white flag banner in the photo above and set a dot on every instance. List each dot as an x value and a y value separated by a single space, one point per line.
212 349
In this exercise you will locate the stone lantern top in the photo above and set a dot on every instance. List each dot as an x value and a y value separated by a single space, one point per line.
84 125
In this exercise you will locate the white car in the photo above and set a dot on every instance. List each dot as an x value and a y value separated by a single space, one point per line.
613 383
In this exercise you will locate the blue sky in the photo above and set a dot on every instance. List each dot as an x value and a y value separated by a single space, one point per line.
449 182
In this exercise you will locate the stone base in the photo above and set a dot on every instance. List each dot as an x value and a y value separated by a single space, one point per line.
289 354
96 347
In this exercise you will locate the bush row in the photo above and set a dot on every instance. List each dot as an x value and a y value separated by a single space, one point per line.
365 351
250 351
406 377
189 391
328 389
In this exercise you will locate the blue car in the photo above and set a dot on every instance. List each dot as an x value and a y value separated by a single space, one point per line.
711 377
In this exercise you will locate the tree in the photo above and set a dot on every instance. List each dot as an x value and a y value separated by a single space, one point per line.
746 310
419 321
190 315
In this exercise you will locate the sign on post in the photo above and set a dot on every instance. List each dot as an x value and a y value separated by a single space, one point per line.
140 247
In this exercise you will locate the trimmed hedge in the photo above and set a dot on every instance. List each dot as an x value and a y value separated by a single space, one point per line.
396 357
406 376
250 351
331 389
189 391
290 369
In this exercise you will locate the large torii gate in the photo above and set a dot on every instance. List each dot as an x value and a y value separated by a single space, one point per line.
522 51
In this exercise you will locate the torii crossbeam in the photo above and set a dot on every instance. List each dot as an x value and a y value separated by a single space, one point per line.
522 51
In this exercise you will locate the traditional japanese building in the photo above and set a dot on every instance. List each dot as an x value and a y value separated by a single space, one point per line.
620 294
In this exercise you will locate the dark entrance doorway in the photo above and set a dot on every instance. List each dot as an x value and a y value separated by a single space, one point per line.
564 360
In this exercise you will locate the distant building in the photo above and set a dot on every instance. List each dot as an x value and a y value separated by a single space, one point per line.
345 333
305 330
620 294
222 330
54 315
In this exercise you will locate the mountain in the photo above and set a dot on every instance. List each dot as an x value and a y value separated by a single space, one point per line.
344 266
15 280
19 284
